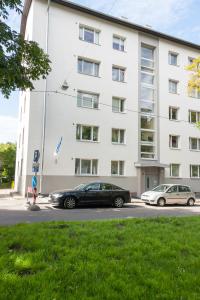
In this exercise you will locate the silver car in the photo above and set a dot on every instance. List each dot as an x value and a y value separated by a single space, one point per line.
169 194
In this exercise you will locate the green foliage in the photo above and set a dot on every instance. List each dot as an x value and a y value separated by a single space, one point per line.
7 160
148 259
21 61
194 67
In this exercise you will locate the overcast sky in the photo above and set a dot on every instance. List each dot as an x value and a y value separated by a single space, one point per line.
179 18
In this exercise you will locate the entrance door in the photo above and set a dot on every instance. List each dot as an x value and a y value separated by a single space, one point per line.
151 181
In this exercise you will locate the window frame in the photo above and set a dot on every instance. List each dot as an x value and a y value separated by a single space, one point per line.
197 116
198 144
171 144
94 65
170 54
121 43
120 100
171 175
92 133
80 95
175 82
95 31
91 167
121 70
119 130
118 167
198 168
171 113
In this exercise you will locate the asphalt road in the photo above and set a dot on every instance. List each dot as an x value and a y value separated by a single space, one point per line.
133 210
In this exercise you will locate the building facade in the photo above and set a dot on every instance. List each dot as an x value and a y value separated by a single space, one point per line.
116 102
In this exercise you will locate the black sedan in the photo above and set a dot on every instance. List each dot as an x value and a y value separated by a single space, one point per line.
92 193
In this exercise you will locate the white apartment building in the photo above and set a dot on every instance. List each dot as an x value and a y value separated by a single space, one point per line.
118 97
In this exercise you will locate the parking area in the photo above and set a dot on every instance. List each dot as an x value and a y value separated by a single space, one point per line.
13 211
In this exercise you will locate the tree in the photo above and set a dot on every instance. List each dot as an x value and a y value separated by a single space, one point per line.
21 61
194 82
7 160
194 67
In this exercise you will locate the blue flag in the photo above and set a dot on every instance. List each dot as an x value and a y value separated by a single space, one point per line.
58 147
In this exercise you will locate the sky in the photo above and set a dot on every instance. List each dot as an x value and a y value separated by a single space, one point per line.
179 18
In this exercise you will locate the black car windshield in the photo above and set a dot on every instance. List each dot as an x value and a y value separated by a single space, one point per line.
161 188
80 187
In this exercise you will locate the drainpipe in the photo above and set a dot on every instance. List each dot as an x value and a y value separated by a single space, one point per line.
44 104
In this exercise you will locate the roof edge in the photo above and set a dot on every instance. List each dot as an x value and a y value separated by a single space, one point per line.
109 18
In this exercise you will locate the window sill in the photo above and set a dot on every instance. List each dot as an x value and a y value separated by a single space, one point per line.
175 177
88 107
89 75
174 120
123 51
86 175
116 175
86 141
171 148
174 93
194 150
89 42
119 112
195 178
174 65
119 81
113 143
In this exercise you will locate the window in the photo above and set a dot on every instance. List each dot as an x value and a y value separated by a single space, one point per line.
174 141
194 144
87 133
88 67
147 78
147 122
106 187
93 187
118 74
118 136
173 58
147 137
147 152
194 116
147 93
86 166
173 189
147 56
118 104
183 189
194 93
195 171
174 170
173 113
89 35
117 167
88 100
118 43
173 86
147 106
190 60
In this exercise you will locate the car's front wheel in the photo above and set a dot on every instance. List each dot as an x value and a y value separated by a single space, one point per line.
69 202
161 202
118 202
190 202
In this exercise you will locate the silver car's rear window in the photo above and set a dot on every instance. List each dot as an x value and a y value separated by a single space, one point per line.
161 188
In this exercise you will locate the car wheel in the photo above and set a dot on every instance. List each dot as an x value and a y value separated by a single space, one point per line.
69 202
161 202
190 202
118 202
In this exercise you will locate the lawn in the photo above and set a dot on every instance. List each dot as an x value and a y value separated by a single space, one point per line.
123 259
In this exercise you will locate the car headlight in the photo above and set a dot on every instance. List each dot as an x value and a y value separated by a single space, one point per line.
56 195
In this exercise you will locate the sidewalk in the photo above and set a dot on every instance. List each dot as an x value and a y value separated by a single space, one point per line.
20 203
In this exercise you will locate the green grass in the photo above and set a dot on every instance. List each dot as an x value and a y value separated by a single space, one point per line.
124 259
